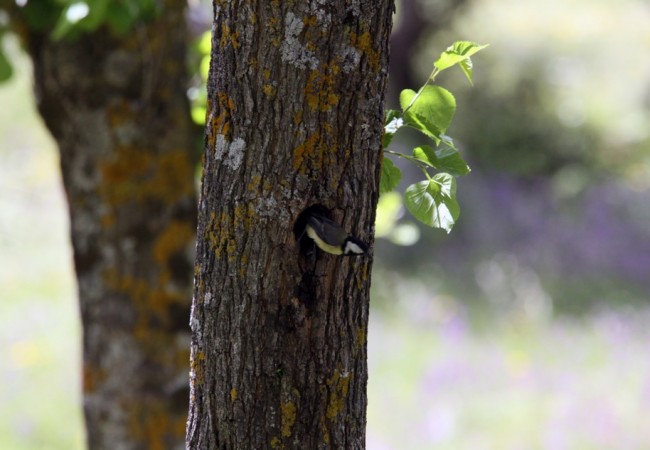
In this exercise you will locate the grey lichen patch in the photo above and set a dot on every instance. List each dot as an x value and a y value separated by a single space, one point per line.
350 58
267 206
231 153
292 51
318 9
207 298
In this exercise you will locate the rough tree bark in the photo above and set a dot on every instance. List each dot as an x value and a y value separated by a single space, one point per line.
117 108
295 119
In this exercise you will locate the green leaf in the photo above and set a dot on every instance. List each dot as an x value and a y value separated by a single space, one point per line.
393 123
205 43
390 176
62 28
204 67
390 115
121 17
405 233
446 158
459 53
433 202
88 15
96 14
41 15
6 71
388 212
198 113
431 110
467 67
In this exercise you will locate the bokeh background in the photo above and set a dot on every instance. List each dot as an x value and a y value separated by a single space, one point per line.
527 327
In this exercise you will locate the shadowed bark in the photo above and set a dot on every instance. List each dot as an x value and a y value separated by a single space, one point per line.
295 119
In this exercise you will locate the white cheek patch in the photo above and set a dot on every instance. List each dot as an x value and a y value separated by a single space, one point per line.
351 247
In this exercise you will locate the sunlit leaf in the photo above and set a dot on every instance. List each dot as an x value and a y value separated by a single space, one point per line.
445 158
433 202
431 110
459 53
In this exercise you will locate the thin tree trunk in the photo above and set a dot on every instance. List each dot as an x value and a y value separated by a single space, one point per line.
118 111
295 119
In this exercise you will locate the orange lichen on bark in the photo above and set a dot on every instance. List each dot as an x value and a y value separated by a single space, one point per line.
269 90
182 358
287 417
92 377
133 174
222 229
317 150
152 424
274 28
152 296
210 234
244 215
107 220
221 123
254 184
361 276
150 302
297 117
119 113
126 164
363 42
174 239
217 232
321 88
243 265
324 430
228 37
360 338
307 150
196 367
339 385
310 21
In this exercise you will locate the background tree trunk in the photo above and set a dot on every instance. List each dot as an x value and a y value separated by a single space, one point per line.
117 108
295 118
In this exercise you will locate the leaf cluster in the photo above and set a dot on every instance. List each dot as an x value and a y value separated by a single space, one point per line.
430 111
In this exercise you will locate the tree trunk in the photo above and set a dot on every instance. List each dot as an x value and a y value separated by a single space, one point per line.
117 108
295 119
